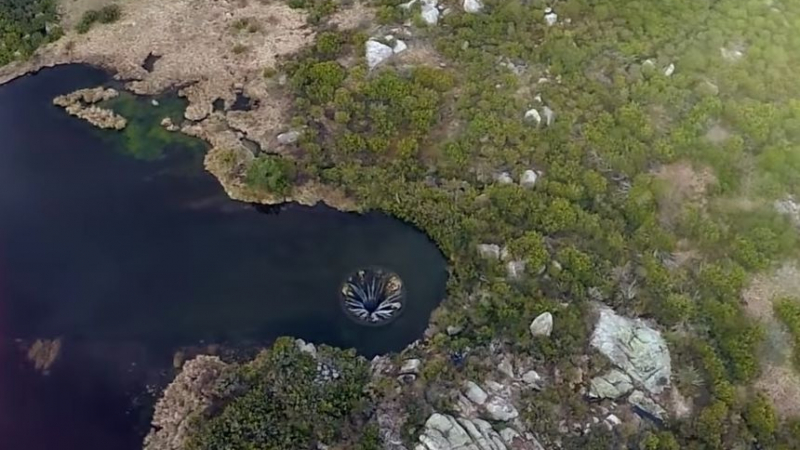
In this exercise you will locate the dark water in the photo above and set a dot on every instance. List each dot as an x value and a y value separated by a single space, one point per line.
129 259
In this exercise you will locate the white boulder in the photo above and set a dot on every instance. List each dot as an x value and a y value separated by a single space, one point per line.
528 178
399 46
532 115
669 70
475 393
430 12
377 53
542 325
550 17
473 6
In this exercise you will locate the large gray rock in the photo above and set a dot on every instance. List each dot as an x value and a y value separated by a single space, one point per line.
532 115
634 348
377 53
445 432
613 384
532 379
542 325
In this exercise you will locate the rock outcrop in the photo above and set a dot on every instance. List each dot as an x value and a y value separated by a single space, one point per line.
635 348
613 384
188 396
445 432
81 104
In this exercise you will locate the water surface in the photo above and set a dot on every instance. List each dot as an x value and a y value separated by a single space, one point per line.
128 259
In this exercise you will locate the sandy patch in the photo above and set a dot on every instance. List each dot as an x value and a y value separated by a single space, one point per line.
778 379
684 184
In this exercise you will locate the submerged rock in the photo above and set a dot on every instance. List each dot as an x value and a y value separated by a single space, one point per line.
377 53
185 399
635 348
473 6
542 325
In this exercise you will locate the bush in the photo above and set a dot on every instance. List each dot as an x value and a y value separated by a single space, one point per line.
272 174
283 405
106 14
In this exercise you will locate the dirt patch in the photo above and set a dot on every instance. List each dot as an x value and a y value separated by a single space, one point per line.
684 184
778 380
357 15
717 134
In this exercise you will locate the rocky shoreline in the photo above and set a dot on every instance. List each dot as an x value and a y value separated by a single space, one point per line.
185 37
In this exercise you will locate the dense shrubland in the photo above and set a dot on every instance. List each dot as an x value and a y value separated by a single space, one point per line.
24 26
424 142
280 402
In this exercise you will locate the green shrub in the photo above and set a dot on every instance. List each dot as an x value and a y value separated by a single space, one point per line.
272 174
788 311
106 14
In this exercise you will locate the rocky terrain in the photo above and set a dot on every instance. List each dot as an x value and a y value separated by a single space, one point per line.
81 104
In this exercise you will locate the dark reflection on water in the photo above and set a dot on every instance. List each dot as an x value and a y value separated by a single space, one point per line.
128 260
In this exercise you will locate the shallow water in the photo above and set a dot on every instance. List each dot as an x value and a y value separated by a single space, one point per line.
125 248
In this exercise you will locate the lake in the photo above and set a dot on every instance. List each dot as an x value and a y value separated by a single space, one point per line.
125 248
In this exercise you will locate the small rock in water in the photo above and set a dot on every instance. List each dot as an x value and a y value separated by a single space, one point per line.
377 53
542 325
473 6
154 102
532 115
289 137
528 179
550 17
